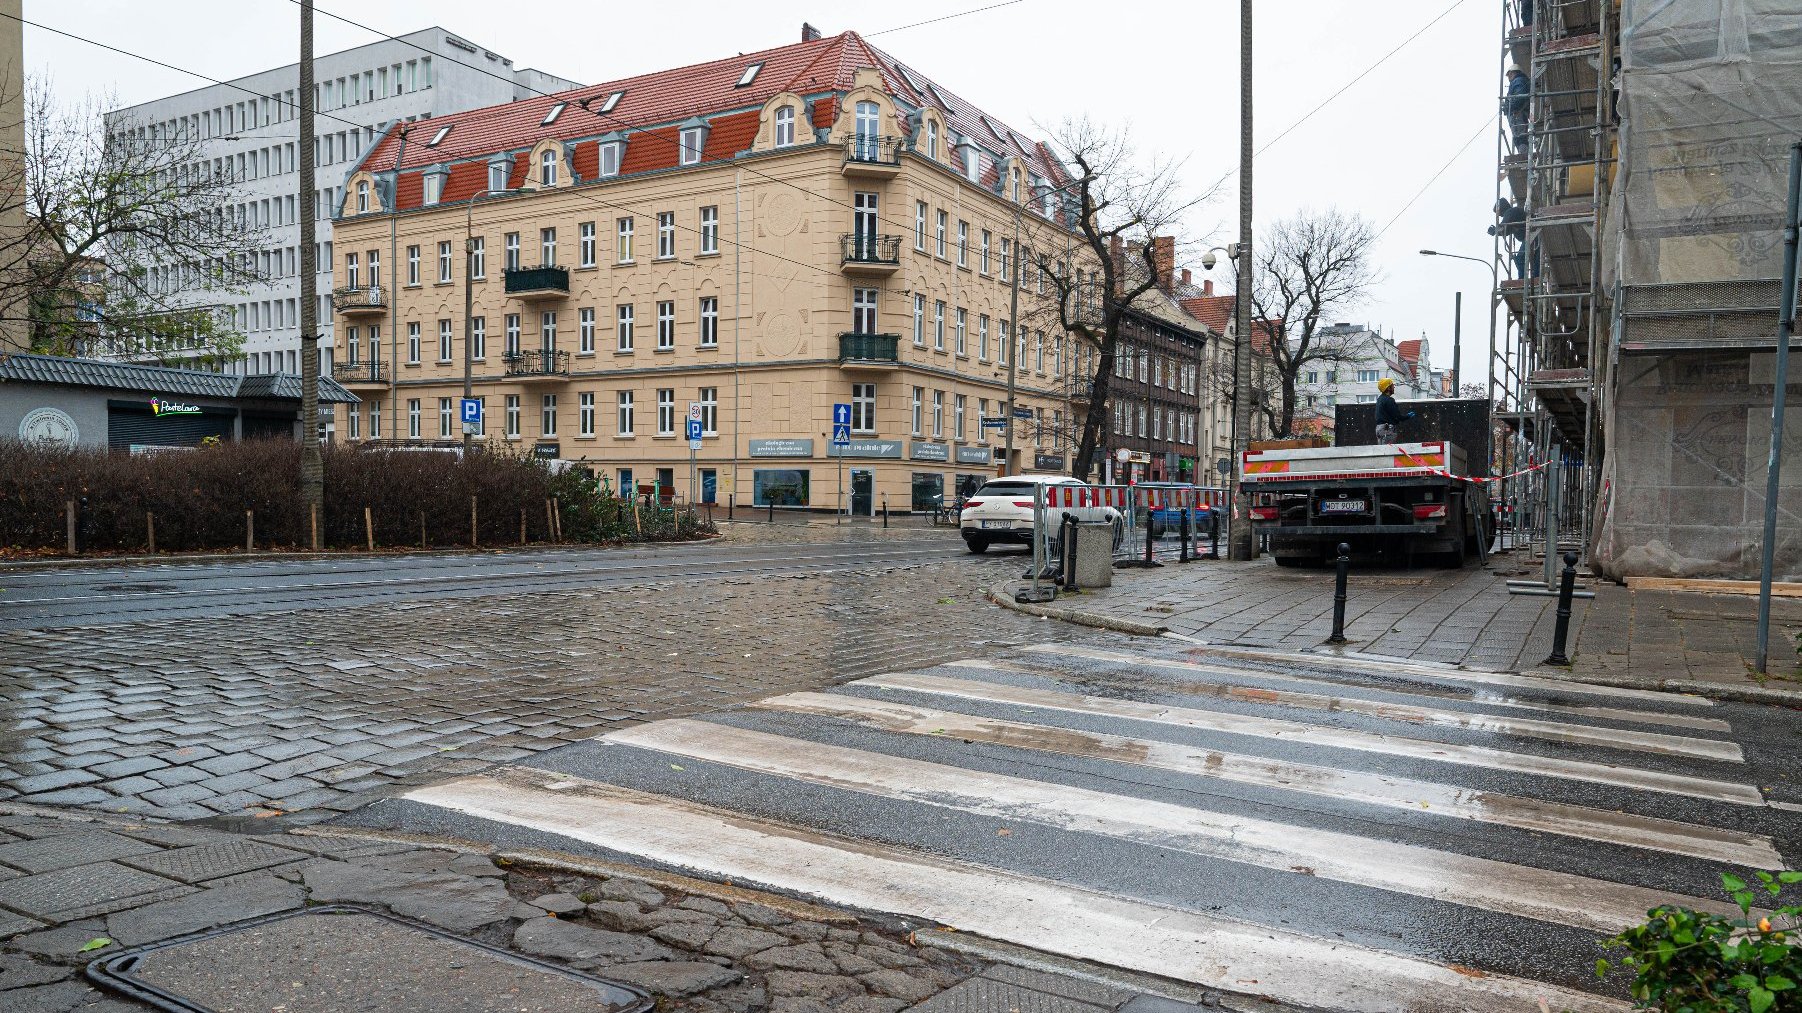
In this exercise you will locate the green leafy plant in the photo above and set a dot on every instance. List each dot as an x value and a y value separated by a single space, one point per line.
1694 962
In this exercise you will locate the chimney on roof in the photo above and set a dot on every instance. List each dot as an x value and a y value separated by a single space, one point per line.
1163 260
809 33
1207 287
1186 279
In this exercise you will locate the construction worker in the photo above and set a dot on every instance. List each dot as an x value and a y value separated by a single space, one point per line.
1516 105
1511 224
1389 414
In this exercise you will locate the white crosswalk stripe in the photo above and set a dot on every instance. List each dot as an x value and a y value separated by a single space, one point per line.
1237 793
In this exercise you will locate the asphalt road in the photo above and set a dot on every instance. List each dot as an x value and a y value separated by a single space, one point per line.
1337 834
59 597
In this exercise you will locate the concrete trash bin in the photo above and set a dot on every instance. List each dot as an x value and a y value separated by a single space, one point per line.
1094 554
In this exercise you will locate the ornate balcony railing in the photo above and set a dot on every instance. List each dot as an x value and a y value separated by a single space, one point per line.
542 362
360 299
371 371
865 248
863 150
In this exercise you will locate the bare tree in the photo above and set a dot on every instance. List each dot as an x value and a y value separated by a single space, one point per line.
1309 266
132 239
1092 244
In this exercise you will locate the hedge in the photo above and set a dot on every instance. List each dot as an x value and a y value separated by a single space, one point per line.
199 499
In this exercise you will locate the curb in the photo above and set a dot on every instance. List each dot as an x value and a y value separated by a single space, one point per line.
1002 594
62 562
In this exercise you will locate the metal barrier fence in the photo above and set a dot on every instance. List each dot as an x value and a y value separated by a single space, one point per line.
1148 522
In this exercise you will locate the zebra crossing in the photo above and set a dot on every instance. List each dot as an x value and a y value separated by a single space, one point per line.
1344 833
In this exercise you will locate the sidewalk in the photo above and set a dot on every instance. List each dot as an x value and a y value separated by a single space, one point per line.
1661 639
75 890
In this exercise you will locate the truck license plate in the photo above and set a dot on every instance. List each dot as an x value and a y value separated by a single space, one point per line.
1342 506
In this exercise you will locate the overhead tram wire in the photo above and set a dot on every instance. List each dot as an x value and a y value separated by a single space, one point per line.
1484 126
633 128
259 95
947 17
1323 103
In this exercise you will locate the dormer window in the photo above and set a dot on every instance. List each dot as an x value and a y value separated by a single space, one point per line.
551 117
932 139
972 163
434 187
362 196
438 137
749 75
497 176
547 168
694 139
612 100
785 126
608 158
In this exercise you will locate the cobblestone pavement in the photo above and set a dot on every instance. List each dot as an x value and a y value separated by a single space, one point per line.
311 712
73 891
1461 617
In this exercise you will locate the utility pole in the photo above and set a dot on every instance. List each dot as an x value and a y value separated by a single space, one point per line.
1241 545
312 464
1457 341
1013 325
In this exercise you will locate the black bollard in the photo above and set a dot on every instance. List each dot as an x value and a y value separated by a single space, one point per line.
1067 547
1148 530
1338 636
1185 555
1214 532
772 511
885 509
1562 630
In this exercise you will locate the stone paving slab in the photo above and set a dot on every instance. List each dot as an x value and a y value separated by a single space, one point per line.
75 849
711 948
211 861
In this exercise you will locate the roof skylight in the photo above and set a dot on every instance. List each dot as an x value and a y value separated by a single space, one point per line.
941 99
551 117
749 75
612 100
439 136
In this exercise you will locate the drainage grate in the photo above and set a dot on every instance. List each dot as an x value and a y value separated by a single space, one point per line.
342 959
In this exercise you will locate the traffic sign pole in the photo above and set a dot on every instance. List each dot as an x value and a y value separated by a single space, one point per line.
841 438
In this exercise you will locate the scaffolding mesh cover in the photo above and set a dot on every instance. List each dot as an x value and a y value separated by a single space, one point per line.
1710 102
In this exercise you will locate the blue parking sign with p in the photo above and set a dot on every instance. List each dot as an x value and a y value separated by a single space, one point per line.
472 410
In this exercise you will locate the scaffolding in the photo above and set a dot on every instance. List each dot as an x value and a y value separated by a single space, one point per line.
1556 148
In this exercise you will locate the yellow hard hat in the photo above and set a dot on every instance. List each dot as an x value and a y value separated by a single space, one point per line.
1385 385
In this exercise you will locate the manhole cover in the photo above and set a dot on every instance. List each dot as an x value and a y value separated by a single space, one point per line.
134 588
349 960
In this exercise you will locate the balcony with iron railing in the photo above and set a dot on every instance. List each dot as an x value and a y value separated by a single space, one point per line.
360 299
360 374
866 253
869 351
537 282
539 364
872 157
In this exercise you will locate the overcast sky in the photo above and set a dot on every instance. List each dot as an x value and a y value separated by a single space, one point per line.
1168 71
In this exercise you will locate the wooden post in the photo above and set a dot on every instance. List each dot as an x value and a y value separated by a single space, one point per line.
550 522
150 530
69 513
313 510
522 525
637 525
369 529
474 540
557 517
250 531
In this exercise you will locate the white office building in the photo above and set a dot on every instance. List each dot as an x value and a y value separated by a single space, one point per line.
249 128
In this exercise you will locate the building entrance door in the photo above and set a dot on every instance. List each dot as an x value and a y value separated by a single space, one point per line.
863 493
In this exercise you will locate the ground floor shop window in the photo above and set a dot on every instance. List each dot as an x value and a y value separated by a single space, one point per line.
928 490
968 484
779 487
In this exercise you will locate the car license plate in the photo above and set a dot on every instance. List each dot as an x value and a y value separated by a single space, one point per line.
997 524
1342 506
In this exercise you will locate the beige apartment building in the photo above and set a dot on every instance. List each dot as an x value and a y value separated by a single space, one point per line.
764 237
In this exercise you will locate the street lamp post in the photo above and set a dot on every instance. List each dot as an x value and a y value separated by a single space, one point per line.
1241 387
469 289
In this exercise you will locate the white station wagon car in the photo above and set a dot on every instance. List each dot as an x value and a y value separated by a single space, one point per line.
1001 511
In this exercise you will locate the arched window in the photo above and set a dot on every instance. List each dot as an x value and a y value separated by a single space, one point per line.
785 126
362 196
547 168
932 139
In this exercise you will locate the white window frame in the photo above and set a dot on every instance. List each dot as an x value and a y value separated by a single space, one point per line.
963 243
512 410
585 413
547 415
666 411
785 126
585 330
919 410
413 265
444 262
919 320
666 326
587 243
547 167
412 342
478 258
623 332
623 414
444 340
959 408
920 226
938 414
666 235
938 325
710 229
478 339
710 321
941 225
863 408
963 333
608 158
693 141
623 240
710 411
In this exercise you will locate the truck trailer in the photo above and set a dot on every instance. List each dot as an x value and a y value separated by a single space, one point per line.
1422 498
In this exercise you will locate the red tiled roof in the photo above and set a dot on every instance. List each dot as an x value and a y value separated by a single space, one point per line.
661 99
1215 311
1409 350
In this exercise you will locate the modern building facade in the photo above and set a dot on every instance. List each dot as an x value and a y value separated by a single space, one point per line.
754 240
71 402
248 129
